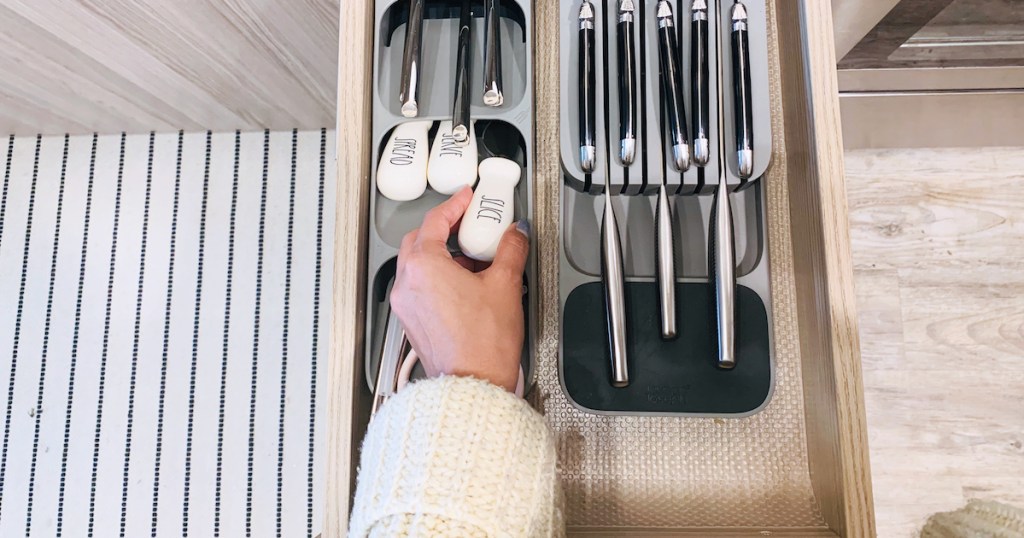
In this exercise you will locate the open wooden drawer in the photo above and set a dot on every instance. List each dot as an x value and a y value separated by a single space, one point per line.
813 294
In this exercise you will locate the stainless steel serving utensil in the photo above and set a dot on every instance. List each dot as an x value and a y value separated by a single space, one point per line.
411 60
460 106
492 54
392 352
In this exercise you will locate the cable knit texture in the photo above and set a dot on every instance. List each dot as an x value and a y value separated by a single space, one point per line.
456 456
979 519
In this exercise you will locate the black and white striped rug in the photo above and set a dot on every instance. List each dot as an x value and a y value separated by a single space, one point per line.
164 322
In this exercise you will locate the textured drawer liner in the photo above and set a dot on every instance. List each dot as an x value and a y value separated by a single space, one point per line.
622 471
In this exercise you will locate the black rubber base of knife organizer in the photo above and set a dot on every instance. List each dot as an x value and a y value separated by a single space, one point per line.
677 377
391 220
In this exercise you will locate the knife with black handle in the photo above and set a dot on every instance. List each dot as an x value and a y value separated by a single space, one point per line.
699 74
722 258
742 116
668 52
627 83
587 89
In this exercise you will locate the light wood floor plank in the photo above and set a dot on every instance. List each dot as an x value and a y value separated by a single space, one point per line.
938 247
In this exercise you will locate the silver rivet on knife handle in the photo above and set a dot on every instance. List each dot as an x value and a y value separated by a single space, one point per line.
412 60
723 255
460 105
492 54
614 291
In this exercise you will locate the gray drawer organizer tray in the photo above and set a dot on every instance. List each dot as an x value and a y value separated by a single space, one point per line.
678 377
390 220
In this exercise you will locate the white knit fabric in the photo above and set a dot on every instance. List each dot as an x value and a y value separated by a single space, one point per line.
457 457
979 519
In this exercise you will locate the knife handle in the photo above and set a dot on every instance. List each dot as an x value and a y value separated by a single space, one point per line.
491 210
700 91
627 89
666 265
668 52
587 100
742 116
402 170
613 278
451 165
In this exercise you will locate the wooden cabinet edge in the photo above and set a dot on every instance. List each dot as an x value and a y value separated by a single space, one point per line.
830 347
355 84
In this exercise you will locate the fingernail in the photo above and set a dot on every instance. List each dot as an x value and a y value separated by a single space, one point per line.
523 227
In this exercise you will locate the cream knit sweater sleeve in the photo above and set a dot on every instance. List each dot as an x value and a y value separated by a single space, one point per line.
461 457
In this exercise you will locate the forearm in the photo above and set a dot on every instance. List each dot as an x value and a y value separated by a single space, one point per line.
460 457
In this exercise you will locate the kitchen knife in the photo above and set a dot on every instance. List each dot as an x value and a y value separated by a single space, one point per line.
699 73
668 52
587 88
722 258
627 82
742 117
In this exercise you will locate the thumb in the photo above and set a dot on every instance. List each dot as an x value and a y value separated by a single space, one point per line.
510 258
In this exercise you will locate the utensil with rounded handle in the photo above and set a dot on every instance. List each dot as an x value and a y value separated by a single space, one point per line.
402 172
452 165
492 209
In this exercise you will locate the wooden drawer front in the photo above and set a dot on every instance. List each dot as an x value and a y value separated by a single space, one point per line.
809 250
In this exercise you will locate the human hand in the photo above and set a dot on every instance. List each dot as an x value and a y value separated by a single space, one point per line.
462 317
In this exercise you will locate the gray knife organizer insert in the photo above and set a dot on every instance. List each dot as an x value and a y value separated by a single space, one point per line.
390 220
677 377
